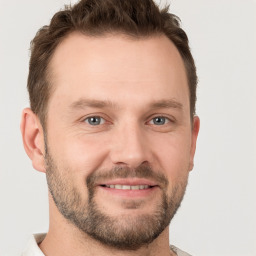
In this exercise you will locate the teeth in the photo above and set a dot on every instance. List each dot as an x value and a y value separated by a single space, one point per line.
127 187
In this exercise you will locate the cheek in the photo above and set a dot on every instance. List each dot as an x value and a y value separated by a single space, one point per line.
173 155
76 158
83 154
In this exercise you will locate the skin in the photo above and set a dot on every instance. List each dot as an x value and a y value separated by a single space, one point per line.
132 74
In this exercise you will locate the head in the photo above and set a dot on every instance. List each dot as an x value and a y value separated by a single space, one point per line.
136 19
112 87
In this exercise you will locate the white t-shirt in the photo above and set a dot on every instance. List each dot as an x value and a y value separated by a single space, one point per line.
33 249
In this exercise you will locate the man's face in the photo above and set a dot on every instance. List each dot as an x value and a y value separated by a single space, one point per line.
119 136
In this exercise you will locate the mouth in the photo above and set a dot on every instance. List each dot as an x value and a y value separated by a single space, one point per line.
132 188
127 187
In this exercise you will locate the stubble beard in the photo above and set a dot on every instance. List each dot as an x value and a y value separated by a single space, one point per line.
127 232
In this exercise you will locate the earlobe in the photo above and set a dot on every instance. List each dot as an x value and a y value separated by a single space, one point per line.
195 131
33 138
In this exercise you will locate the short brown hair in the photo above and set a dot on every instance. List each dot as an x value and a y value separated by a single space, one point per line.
135 18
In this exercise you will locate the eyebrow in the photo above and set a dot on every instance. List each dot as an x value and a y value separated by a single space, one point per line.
84 103
166 103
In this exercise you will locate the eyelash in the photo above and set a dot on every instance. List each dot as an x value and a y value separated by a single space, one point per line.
166 118
160 116
94 117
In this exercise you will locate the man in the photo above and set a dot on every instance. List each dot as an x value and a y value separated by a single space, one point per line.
112 124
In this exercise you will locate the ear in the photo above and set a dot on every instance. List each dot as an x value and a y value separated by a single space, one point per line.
33 138
195 131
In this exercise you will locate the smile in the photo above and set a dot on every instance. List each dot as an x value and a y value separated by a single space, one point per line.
128 187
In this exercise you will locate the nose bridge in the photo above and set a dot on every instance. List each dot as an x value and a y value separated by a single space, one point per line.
129 145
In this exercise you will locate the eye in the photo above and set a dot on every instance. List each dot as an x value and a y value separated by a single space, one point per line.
94 120
160 120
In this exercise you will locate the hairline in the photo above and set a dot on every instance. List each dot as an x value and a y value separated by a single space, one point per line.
129 36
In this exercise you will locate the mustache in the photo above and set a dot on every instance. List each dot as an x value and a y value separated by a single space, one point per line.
122 172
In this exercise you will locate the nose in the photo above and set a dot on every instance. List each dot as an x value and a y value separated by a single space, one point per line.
130 147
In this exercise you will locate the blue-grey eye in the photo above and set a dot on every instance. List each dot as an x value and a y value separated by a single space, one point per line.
94 120
160 120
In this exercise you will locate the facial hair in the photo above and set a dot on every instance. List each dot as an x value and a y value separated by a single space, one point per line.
124 232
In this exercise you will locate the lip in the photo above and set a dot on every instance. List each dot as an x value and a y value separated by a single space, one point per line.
129 182
129 193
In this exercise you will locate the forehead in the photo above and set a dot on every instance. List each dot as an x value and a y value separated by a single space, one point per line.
117 68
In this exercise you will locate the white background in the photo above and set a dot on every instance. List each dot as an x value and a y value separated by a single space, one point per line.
218 214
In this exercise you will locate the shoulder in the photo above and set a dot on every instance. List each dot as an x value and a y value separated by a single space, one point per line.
178 251
32 248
